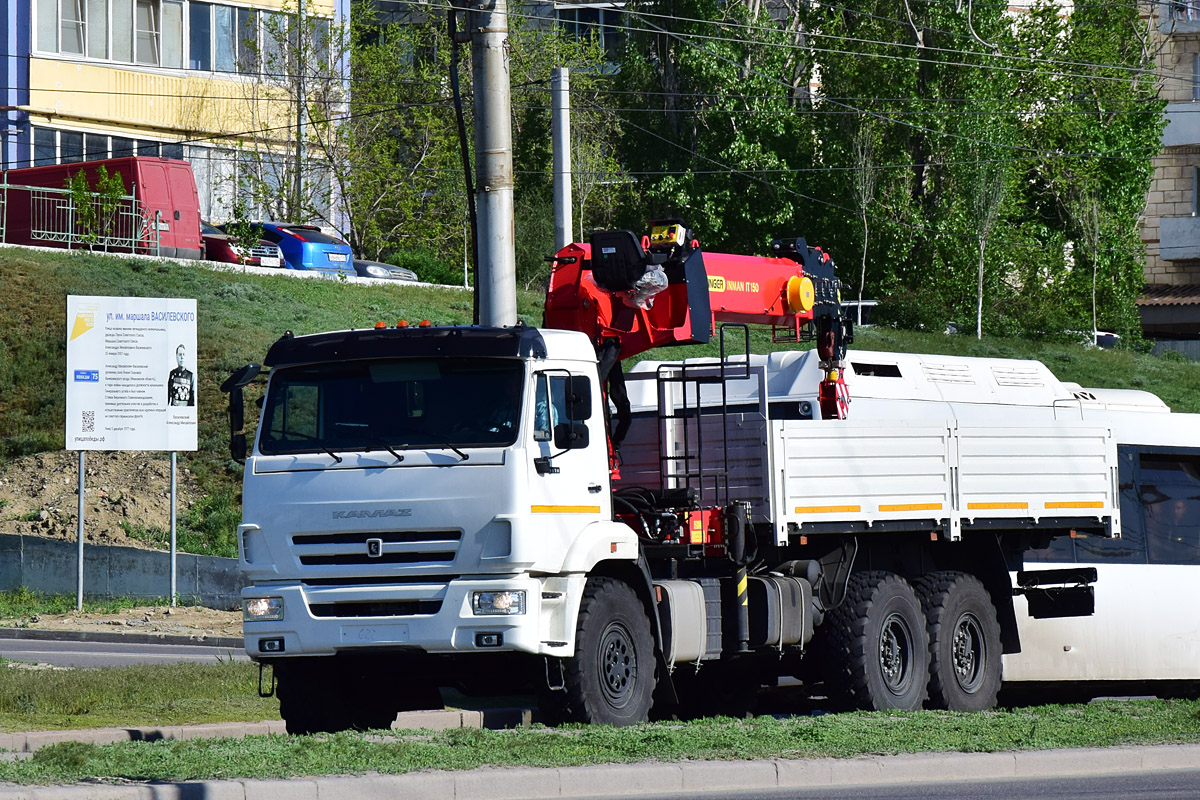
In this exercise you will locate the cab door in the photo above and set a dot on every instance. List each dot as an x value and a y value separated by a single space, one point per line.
569 470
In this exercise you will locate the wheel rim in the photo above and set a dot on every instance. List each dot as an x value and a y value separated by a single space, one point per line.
969 653
896 654
618 665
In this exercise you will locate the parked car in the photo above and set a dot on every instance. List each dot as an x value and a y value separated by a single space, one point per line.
308 247
220 246
377 269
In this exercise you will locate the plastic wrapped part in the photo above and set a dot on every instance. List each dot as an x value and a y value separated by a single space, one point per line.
650 284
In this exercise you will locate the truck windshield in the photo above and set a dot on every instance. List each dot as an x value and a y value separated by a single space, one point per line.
392 403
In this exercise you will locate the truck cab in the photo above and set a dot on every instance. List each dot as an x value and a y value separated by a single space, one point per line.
425 490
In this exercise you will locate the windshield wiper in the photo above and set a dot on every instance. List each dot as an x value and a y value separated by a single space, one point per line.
320 444
375 438
448 446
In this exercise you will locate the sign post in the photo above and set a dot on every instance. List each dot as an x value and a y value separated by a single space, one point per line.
131 383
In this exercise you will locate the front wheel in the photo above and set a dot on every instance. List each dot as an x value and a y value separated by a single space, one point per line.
880 650
964 641
610 679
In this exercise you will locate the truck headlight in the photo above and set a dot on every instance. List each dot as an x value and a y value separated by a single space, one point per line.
486 604
262 609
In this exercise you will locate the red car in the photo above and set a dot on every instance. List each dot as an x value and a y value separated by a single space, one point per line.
220 246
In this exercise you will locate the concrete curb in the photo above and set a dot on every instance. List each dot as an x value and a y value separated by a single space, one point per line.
631 780
128 638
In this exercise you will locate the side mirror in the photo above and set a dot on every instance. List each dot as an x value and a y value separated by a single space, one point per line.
579 398
237 412
570 435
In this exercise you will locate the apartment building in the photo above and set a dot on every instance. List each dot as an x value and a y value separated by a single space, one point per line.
204 81
1170 307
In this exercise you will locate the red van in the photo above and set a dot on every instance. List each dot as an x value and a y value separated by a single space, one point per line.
165 194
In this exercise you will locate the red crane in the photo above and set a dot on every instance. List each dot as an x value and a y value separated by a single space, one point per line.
631 295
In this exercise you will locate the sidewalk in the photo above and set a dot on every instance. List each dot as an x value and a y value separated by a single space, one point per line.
631 780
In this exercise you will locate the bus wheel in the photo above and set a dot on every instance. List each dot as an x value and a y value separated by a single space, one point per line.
610 679
880 651
964 641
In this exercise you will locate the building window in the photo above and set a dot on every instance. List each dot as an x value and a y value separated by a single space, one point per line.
146 28
72 27
45 147
604 22
97 29
200 36
122 31
1187 10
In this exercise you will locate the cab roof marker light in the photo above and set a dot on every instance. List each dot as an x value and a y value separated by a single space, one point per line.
402 323
425 323
380 324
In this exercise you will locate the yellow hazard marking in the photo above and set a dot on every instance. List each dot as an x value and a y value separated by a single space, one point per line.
828 509
742 585
996 506
1075 504
565 509
911 507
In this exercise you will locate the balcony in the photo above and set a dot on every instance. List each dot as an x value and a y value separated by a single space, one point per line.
1179 238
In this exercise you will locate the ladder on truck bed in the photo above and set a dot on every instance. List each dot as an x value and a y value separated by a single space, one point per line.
688 457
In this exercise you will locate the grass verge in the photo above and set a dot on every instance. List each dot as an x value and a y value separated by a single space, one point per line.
161 694
18 605
1105 723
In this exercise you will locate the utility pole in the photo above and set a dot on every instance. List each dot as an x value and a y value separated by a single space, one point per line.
298 64
560 124
493 163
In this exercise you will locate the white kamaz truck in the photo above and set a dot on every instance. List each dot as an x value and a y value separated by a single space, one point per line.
507 510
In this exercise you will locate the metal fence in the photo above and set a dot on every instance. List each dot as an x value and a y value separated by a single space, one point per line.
123 224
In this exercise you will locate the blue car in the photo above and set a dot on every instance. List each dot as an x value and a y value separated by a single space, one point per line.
307 247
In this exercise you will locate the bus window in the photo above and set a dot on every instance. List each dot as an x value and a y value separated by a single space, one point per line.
1170 494
1130 548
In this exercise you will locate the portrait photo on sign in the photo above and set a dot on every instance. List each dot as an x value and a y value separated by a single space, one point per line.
181 383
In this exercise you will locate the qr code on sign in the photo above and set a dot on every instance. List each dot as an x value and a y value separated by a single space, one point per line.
89 422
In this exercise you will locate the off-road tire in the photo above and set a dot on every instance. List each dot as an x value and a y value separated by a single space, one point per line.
877 646
610 679
964 641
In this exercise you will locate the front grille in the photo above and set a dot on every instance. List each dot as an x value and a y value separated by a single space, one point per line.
412 548
269 252
358 559
397 608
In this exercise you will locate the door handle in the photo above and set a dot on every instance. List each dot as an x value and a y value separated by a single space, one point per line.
594 488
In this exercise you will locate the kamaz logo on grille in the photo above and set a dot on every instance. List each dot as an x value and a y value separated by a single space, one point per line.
374 548
379 512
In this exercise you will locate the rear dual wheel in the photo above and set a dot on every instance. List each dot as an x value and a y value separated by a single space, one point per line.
879 650
964 641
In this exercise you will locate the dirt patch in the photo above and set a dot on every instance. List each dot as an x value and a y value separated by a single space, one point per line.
193 621
124 493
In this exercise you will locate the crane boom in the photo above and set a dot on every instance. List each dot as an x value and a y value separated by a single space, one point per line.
632 295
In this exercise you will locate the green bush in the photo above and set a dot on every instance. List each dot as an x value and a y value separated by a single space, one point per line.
429 268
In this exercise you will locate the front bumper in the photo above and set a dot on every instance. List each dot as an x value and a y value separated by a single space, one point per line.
452 629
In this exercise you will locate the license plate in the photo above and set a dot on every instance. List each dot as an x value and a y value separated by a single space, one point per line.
374 634
337 256
268 261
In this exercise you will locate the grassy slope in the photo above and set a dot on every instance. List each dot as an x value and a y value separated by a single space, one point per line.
240 315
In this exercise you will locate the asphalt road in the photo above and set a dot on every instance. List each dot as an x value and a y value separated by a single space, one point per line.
1166 785
111 654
